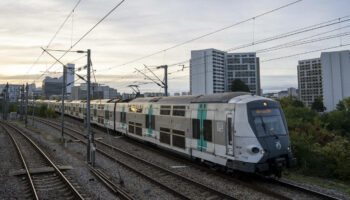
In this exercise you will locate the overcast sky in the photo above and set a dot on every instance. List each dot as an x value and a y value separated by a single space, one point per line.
139 28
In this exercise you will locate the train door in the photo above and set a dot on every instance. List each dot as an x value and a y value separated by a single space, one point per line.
229 134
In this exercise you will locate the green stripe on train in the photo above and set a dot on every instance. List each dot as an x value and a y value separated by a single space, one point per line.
201 115
123 114
150 111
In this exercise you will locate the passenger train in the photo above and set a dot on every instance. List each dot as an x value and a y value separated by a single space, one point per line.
236 130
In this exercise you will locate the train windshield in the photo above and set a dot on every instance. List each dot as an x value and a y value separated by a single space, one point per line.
268 122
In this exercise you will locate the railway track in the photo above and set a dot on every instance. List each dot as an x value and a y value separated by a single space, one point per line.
181 186
318 195
50 183
302 189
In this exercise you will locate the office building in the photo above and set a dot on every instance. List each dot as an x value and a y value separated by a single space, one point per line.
14 91
212 71
282 94
97 91
336 77
310 80
51 86
70 77
292 92
243 66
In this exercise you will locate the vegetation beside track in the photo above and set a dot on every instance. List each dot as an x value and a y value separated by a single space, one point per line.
320 141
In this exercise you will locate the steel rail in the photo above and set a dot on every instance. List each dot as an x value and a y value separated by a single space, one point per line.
111 186
23 162
58 171
254 187
297 187
219 193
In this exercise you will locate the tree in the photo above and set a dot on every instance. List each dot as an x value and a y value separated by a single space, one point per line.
341 106
318 105
239 85
347 103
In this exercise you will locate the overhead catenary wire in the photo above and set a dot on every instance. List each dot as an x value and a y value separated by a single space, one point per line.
85 34
54 36
313 51
205 35
276 37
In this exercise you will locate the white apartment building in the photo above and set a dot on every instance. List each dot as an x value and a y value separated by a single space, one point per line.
310 80
207 71
212 71
336 77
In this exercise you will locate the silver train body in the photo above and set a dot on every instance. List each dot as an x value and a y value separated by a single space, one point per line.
237 130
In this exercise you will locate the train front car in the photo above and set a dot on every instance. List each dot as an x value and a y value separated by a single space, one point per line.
261 138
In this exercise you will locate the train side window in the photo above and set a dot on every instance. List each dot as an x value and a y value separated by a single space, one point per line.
164 135
165 110
131 127
179 110
207 130
178 138
95 112
138 129
229 130
195 128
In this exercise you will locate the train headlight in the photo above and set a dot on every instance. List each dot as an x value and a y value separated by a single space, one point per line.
255 150
289 149
263 151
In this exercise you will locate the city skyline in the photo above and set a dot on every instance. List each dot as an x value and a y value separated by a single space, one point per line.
137 29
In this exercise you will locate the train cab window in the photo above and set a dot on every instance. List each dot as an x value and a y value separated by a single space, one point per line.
153 122
207 130
164 135
195 128
178 138
165 110
268 122
131 127
179 110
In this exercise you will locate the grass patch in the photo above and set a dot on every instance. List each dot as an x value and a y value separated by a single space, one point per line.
339 185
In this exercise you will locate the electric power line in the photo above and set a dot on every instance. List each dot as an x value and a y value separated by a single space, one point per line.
54 36
298 54
205 35
85 34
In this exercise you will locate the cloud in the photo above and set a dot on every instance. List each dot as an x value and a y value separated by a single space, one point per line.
139 28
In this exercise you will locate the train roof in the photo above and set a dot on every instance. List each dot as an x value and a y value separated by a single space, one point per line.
209 98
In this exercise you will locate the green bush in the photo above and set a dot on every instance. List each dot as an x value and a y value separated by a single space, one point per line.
320 142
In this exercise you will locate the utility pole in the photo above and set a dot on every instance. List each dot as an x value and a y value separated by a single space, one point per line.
4 102
21 106
165 78
33 107
64 85
91 144
26 108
